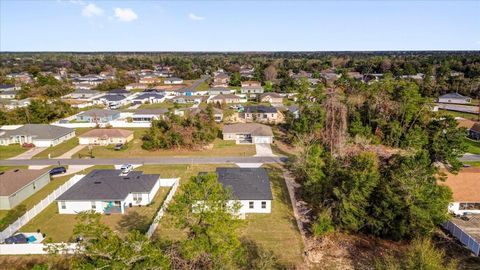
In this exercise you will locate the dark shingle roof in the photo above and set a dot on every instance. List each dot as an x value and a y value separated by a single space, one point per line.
260 109
113 97
149 95
246 183
109 185
453 95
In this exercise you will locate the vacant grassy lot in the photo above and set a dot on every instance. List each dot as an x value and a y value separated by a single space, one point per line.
202 87
276 231
9 151
59 228
469 116
134 149
473 146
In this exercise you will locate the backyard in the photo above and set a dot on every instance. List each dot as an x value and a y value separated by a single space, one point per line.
473 146
276 231
8 151
59 227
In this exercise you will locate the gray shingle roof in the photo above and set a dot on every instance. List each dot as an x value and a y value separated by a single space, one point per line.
109 185
454 96
246 183
39 131
254 129
260 109
99 113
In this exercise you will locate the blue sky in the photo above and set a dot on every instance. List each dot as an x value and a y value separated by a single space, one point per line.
81 25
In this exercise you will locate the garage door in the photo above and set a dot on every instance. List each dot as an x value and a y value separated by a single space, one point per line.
262 140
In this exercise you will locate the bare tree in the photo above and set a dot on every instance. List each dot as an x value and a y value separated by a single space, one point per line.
335 130
270 73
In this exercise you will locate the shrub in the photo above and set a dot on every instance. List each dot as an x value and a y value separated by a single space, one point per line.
323 225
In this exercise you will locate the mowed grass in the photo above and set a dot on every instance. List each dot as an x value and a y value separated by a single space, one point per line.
134 149
202 87
473 146
276 231
59 227
8 151
473 163
470 116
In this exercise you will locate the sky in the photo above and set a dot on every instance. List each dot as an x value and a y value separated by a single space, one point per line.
82 25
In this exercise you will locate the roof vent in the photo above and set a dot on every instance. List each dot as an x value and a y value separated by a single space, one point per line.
2 173
16 170
126 178
97 182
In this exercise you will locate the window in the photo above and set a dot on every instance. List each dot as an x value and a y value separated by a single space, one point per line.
94 206
469 206
250 205
264 205
34 186
63 205
137 197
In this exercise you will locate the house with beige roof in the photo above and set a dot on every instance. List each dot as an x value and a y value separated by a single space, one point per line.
225 98
465 188
248 133
106 136
19 184
273 98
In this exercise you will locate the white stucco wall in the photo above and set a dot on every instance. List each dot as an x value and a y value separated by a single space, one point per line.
455 208
257 207
454 100
75 207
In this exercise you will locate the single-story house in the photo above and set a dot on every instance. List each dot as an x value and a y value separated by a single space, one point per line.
225 98
18 184
250 187
248 133
271 98
465 188
8 87
133 86
41 135
11 104
113 101
187 99
98 116
474 132
149 80
295 110
217 113
84 86
173 80
9 94
219 91
119 91
148 97
83 94
221 80
105 136
251 90
251 84
454 98
108 192
262 114
147 115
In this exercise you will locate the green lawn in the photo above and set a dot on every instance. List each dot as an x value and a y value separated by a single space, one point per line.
134 149
473 163
202 87
473 146
62 148
276 231
470 116
59 227
12 150
163 105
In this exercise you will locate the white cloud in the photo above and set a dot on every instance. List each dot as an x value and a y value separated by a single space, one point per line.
125 14
77 2
195 17
91 10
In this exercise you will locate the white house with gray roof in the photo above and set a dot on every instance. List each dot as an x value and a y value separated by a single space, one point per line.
109 191
248 133
454 98
41 135
250 187
98 116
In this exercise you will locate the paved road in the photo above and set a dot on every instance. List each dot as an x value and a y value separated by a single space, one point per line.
470 157
196 83
458 108
154 160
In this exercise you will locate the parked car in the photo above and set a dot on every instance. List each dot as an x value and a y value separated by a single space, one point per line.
118 147
126 168
58 170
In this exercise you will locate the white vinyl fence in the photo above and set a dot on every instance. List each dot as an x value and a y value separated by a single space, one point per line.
24 249
174 183
39 207
468 240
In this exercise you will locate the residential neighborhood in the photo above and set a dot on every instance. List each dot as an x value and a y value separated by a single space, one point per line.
149 135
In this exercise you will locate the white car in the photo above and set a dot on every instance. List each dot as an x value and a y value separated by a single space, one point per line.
126 168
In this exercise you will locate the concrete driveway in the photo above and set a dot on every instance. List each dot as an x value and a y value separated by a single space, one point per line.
263 150
30 153
72 151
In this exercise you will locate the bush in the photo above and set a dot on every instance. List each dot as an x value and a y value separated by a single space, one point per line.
12 216
323 225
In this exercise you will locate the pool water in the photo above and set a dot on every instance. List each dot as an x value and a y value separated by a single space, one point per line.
31 239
